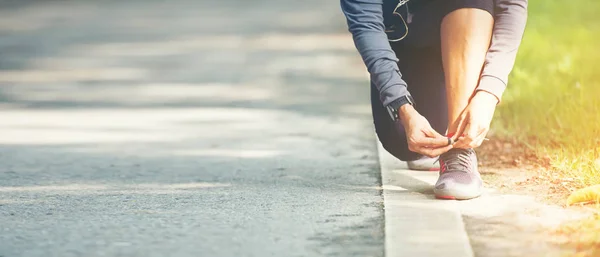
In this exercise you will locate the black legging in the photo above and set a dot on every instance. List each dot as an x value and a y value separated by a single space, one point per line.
420 62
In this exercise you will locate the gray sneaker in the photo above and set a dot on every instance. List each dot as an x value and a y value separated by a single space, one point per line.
424 163
459 178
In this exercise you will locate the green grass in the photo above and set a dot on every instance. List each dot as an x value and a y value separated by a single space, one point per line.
552 103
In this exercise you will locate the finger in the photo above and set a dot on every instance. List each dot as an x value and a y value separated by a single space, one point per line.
460 138
464 140
472 131
433 152
460 128
441 150
479 139
434 142
432 133
464 143
476 143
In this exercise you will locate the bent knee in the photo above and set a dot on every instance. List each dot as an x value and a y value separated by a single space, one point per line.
396 146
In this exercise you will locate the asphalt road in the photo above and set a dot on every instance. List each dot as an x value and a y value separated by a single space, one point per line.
184 128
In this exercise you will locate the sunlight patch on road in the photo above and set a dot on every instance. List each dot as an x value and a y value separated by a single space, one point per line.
12 25
264 42
105 189
76 187
358 109
393 188
236 153
135 94
47 127
70 75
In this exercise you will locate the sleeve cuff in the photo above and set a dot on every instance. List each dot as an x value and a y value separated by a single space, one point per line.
405 99
492 85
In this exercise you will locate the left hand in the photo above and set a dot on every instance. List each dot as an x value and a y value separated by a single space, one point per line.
474 122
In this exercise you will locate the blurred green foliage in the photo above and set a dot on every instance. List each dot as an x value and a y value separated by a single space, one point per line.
552 103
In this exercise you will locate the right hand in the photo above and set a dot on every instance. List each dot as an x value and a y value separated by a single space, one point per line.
421 137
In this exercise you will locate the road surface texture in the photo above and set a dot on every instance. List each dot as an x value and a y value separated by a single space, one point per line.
184 128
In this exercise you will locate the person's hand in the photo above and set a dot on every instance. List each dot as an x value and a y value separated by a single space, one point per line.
474 122
420 136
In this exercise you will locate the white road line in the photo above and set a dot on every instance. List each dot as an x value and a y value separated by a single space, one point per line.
417 224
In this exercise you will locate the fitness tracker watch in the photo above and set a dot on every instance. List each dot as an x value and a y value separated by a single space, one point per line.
394 106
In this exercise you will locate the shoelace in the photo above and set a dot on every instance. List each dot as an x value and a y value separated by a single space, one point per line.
460 158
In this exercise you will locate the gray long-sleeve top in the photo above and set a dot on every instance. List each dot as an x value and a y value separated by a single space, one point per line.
365 22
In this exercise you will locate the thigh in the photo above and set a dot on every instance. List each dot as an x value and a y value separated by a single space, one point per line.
427 16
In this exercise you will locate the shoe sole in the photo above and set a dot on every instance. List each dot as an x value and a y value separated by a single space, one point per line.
424 168
446 194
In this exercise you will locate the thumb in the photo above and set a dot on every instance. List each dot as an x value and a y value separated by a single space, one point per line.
472 130
460 129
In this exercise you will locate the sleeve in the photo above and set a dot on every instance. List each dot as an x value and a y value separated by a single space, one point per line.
365 23
509 26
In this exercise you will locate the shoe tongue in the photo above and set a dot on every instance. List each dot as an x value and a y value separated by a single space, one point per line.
455 160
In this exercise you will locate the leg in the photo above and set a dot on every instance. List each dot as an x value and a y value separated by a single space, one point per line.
421 67
425 77
392 139
465 39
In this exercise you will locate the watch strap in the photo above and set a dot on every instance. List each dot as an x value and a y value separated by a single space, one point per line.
395 105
